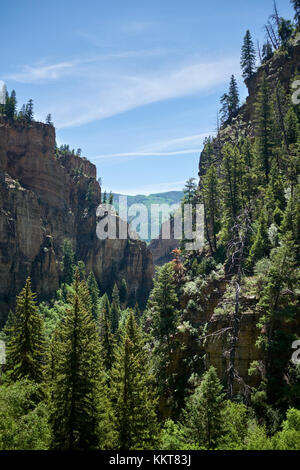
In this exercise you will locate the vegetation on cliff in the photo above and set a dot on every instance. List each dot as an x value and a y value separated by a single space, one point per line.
89 370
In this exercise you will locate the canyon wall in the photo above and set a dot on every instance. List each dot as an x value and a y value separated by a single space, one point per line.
46 198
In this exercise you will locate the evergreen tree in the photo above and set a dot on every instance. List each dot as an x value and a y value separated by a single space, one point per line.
106 335
264 127
224 111
162 309
234 99
296 5
115 309
285 30
68 262
209 195
267 51
49 120
248 58
132 394
94 294
29 111
81 270
261 244
11 105
123 291
111 198
81 415
189 191
203 417
26 348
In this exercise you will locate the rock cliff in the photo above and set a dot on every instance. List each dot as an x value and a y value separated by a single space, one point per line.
43 200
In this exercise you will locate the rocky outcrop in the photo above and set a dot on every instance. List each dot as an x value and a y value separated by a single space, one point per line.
44 199
162 247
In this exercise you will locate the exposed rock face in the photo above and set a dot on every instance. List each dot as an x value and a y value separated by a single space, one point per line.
161 248
43 200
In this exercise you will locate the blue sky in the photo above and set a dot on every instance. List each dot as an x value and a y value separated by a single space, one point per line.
134 84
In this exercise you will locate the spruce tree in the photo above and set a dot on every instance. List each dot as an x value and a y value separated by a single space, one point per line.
162 310
264 128
209 194
26 347
248 58
11 105
107 339
81 416
203 418
296 5
260 247
94 293
115 310
133 399
123 291
233 97
68 262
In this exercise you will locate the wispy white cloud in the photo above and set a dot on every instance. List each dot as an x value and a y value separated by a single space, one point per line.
120 92
97 91
41 72
145 154
166 148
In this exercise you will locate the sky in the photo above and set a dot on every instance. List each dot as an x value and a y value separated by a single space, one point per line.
135 84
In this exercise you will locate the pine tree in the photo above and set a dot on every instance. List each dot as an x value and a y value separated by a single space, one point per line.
11 105
106 335
68 262
261 245
115 309
26 349
234 99
162 308
49 120
285 30
248 58
267 51
203 418
123 291
189 191
264 127
29 111
81 415
94 294
132 394
209 194
296 5
111 198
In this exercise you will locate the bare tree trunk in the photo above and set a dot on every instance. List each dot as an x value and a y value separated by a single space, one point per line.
240 231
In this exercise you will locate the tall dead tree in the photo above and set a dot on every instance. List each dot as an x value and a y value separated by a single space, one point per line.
240 232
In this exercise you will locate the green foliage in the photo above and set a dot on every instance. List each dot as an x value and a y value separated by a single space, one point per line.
23 424
94 293
68 262
133 399
26 349
123 291
80 411
115 310
235 424
202 417
248 57
289 437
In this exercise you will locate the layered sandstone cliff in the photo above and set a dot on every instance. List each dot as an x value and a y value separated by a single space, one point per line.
43 200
